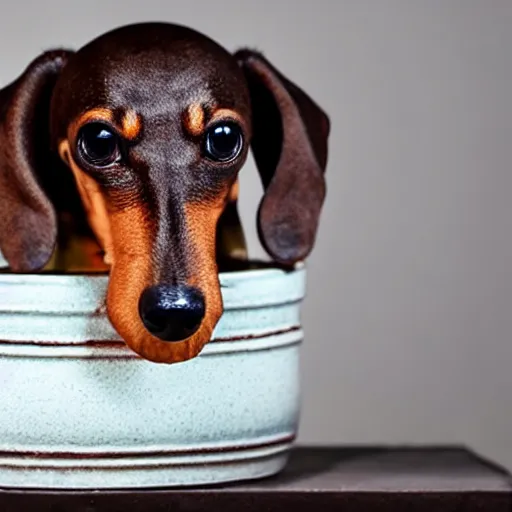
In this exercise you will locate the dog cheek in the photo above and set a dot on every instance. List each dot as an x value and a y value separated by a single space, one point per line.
93 201
130 272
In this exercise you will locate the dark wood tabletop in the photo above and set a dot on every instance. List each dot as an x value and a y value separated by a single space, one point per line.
320 479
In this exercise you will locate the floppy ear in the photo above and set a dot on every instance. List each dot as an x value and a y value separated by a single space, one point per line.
28 225
289 144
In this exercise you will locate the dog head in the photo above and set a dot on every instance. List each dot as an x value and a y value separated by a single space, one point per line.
152 122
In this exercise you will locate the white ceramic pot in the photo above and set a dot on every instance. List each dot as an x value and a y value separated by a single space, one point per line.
78 409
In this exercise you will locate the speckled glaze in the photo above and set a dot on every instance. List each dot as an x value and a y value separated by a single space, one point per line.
80 410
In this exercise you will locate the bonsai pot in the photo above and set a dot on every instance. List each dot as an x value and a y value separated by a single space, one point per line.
80 410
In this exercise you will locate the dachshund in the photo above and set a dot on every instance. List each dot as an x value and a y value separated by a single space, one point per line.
134 143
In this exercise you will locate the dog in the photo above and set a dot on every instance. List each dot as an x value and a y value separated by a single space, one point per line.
133 144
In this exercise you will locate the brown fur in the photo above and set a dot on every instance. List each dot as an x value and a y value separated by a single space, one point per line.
131 125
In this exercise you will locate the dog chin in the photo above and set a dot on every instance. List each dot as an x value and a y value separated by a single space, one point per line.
155 350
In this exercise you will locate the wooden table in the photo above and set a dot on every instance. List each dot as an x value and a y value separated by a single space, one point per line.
317 479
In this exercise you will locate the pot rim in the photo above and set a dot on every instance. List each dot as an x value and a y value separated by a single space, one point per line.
64 309
230 276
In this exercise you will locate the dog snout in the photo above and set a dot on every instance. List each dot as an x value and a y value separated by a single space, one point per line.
172 313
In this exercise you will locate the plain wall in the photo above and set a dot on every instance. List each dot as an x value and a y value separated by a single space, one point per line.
409 309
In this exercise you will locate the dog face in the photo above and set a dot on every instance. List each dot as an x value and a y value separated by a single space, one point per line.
154 122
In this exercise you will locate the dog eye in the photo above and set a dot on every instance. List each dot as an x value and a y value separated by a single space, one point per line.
98 145
223 141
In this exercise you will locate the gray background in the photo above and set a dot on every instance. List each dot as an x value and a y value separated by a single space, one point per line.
408 316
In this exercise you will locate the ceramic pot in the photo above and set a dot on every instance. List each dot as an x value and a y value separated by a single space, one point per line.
78 409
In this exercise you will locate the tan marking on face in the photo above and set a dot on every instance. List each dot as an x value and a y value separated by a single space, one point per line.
231 241
194 119
131 125
234 191
93 201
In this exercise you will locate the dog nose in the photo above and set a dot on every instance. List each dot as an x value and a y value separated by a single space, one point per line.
171 313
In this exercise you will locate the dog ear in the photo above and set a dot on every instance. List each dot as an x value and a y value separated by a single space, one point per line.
289 144
28 225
